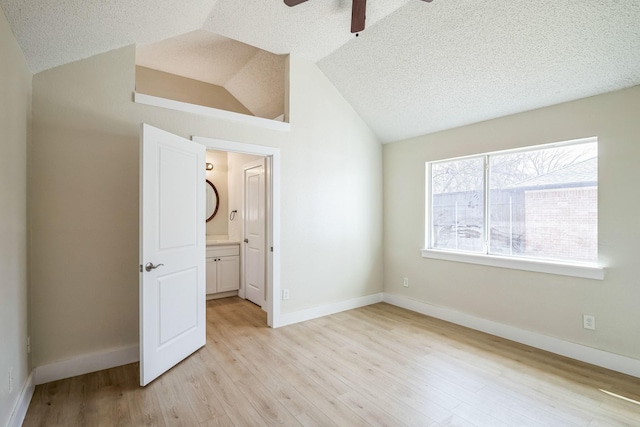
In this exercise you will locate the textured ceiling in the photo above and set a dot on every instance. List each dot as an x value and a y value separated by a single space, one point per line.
55 32
452 63
417 68
312 30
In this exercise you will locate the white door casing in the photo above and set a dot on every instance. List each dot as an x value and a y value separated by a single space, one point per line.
254 231
273 157
172 239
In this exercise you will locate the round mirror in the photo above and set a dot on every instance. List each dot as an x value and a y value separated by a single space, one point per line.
212 201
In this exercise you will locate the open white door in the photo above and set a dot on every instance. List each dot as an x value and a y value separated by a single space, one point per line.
172 250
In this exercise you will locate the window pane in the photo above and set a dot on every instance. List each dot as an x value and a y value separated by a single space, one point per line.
457 205
544 203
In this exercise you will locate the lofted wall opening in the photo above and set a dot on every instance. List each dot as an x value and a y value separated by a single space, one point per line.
209 70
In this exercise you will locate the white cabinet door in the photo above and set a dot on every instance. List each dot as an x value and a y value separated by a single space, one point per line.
172 248
212 275
228 273
223 268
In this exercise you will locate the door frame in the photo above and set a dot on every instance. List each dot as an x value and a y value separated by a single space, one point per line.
272 178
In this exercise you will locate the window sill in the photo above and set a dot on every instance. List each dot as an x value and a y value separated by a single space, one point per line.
574 270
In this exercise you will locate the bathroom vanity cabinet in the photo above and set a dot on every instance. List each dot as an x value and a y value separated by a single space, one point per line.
223 268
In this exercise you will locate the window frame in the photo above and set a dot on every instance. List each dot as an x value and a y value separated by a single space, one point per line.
575 269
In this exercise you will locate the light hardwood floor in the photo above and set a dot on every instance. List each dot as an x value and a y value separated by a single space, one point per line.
378 365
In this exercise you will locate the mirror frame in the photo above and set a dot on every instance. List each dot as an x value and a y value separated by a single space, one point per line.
215 190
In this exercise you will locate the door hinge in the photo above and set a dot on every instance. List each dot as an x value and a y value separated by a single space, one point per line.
271 248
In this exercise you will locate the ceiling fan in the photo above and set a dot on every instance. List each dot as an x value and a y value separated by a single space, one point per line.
358 12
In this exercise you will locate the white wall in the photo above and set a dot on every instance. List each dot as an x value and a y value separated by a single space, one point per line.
542 303
85 205
15 106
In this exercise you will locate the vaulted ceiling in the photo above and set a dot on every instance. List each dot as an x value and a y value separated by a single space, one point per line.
417 68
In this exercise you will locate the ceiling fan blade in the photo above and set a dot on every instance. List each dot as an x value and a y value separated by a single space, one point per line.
292 3
358 15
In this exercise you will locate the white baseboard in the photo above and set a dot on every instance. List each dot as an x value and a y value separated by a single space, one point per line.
20 410
325 310
615 362
222 295
86 363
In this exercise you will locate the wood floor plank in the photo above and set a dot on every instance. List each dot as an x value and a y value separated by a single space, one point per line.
142 405
370 412
374 366
323 400
226 392
374 383
197 392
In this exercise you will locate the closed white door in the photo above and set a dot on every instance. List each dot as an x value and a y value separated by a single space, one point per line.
254 232
172 250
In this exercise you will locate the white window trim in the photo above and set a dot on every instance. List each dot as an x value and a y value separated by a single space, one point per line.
550 267
587 271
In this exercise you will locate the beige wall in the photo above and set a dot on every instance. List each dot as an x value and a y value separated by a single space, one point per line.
543 303
219 178
85 203
178 88
15 106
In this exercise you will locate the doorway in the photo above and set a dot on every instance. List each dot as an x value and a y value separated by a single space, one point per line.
271 157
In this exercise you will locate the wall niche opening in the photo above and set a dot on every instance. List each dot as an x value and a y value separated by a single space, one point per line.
209 70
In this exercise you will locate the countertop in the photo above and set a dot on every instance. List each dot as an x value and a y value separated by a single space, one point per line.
218 242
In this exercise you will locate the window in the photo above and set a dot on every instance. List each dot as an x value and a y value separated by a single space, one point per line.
538 204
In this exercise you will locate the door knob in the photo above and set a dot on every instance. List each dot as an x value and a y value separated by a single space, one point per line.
150 266
246 240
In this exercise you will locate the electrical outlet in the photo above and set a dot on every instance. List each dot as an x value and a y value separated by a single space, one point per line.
589 322
10 380
405 282
285 294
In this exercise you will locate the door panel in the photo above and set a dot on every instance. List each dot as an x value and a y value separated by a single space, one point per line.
177 295
172 240
177 220
228 273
